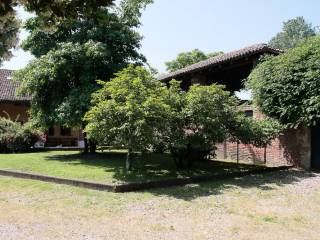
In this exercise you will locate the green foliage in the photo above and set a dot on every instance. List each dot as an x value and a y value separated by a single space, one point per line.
15 137
207 115
188 58
259 133
52 11
287 87
294 32
50 14
9 28
200 122
112 29
214 54
128 111
137 112
58 95
130 11
72 55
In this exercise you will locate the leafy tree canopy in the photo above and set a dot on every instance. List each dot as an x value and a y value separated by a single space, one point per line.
207 115
287 86
138 112
9 28
187 58
56 11
72 55
129 111
293 32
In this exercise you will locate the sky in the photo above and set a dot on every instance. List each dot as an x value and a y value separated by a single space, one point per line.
173 26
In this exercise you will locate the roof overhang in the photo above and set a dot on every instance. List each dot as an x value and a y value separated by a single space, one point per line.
226 58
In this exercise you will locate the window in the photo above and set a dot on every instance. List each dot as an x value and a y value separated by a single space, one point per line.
65 131
248 113
51 131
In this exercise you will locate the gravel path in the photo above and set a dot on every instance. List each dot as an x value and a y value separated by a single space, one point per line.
283 205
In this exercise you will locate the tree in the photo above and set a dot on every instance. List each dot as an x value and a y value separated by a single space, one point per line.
207 115
199 121
293 32
287 86
49 13
53 11
138 112
187 58
129 111
72 54
9 28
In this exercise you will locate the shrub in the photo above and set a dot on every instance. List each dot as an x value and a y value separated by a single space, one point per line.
138 112
15 137
259 133
198 121
128 111
205 116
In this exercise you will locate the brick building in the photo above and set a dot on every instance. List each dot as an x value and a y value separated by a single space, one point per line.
16 108
292 147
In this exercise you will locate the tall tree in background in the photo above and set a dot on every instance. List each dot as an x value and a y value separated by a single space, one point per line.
53 11
293 32
188 58
49 12
72 53
9 28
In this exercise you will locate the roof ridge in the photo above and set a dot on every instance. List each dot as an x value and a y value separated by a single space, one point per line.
4 69
213 60
229 52
8 88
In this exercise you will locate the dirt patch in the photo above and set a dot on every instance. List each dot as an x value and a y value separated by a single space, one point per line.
281 205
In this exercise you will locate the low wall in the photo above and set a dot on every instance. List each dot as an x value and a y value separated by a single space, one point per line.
130 187
292 147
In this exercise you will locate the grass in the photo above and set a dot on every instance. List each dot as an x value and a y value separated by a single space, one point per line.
108 167
282 205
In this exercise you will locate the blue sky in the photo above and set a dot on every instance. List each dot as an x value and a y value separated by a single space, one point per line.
172 26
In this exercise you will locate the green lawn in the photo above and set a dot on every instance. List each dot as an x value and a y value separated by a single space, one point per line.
108 167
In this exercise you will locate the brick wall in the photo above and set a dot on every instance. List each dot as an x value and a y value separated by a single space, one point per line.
293 147
15 111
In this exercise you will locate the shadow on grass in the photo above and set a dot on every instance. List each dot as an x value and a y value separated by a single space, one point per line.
146 167
161 166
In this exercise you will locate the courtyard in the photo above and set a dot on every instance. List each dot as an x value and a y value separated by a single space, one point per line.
281 205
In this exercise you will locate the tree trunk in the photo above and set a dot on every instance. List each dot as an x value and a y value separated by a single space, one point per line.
92 146
85 140
129 160
189 157
86 145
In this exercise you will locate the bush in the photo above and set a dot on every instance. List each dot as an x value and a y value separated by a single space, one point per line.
128 111
15 137
259 133
205 116
198 121
137 111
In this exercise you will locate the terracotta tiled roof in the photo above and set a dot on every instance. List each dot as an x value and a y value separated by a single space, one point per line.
220 59
8 88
